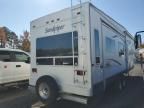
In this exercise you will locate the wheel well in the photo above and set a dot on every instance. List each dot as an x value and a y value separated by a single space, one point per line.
49 78
53 88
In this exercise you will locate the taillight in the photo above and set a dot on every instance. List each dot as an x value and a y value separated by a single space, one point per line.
80 72
34 70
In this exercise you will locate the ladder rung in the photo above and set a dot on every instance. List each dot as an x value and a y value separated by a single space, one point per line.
83 37
77 22
75 98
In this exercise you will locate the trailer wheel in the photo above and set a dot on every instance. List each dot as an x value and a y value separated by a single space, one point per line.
47 90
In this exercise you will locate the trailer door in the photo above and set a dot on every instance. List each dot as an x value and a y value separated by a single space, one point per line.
96 49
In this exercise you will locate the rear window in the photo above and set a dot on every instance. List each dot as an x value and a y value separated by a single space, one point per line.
5 56
57 45
57 49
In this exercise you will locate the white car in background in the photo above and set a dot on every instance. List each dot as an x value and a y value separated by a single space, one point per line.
138 52
14 67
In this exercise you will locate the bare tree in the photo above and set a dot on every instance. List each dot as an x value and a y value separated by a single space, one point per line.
25 41
3 37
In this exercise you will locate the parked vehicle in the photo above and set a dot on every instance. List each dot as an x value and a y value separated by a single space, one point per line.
139 45
76 52
14 67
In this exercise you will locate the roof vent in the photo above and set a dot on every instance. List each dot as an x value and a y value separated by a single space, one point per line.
52 21
58 19
47 22
34 26
78 13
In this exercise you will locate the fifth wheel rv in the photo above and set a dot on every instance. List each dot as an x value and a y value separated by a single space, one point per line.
76 51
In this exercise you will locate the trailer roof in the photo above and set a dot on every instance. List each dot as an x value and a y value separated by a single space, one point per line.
110 18
98 10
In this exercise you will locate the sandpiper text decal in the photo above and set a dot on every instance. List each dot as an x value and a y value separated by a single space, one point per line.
54 29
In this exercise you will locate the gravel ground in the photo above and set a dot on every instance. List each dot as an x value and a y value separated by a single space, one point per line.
131 97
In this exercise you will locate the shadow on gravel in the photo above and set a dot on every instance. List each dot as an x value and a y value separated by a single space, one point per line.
131 97
13 97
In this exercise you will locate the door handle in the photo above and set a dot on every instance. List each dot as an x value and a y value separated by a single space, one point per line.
18 65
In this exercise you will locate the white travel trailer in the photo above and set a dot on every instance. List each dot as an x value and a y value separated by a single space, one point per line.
76 51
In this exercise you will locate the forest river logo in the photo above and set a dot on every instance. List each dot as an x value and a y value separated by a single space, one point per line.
54 29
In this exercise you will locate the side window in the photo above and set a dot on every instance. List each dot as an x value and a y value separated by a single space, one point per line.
120 49
97 46
5 56
130 47
45 61
20 57
110 45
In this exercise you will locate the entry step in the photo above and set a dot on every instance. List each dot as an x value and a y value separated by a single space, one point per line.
38 105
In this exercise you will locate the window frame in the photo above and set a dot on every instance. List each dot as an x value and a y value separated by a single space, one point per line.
14 56
75 36
97 46
110 48
10 55
121 51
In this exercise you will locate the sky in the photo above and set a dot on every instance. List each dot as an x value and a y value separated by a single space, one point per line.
17 14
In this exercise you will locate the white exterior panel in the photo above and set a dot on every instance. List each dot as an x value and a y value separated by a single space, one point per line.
97 65
64 75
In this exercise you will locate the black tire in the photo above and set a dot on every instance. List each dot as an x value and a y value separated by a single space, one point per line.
47 90
118 84
121 82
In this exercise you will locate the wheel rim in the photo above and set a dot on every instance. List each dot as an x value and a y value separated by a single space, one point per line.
44 90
